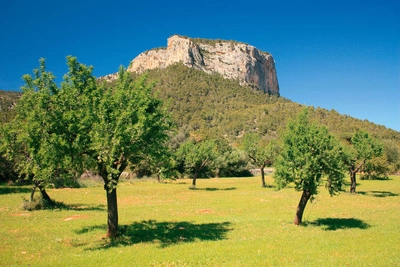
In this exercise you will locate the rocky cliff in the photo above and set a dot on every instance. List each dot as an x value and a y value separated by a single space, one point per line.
233 60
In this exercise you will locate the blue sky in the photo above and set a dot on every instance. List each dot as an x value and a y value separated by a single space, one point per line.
342 55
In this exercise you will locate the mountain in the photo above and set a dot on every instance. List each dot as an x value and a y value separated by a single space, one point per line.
232 60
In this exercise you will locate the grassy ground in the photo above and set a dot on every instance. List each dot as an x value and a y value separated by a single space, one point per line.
224 222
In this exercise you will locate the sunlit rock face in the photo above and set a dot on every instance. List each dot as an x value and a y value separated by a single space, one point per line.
233 60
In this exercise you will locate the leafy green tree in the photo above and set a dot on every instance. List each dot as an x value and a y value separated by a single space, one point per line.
362 148
196 156
84 125
309 154
32 139
376 169
262 153
130 126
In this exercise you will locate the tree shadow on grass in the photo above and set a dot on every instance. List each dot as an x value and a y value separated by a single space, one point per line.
333 224
378 193
213 189
163 233
84 207
13 190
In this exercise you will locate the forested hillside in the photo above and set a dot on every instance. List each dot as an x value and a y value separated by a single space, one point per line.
212 106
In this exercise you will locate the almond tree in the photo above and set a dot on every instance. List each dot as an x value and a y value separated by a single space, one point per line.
32 138
196 156
362 148
309 156
131 125
262 153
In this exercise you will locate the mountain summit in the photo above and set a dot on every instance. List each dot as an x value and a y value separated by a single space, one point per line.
233 60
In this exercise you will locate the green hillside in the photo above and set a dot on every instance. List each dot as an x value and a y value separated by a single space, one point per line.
211 106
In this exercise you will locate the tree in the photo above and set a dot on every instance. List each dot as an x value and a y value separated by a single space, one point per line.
262 153
362 148
197 155
85 125
309 154
32 139
131 125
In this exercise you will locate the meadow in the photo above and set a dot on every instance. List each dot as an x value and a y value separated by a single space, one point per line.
223 222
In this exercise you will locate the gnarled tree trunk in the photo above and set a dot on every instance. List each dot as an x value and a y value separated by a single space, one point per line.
302 205
45 195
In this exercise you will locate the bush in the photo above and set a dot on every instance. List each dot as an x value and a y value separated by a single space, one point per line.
39 203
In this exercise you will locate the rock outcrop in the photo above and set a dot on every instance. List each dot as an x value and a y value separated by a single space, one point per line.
233 60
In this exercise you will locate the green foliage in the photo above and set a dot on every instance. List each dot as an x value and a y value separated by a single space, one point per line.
131 126
197 156
362 148
261 152
30 139
309 153
376 169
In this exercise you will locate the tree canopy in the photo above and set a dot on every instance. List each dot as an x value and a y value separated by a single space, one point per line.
362 148
85 125
309 155
261 152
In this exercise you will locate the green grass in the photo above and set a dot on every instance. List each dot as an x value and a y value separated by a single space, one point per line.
224 222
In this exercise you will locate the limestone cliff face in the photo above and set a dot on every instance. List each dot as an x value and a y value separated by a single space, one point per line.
232 60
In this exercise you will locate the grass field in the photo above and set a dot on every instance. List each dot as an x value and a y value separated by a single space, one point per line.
224 222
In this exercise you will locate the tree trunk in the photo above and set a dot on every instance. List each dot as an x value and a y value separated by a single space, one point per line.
112 207
302 205
45 195
263 177
353 180
194 181
33 192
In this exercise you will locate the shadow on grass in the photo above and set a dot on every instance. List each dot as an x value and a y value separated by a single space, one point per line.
333 224
84 207
13 190
378 193
163 233
213 189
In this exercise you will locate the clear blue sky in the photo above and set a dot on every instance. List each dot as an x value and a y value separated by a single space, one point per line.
342 55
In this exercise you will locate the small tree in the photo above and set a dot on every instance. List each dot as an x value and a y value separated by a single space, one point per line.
197 155
31 139
130 126
361 149
309 154
262 153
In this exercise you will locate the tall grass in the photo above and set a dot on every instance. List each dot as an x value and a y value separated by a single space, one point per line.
224 222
